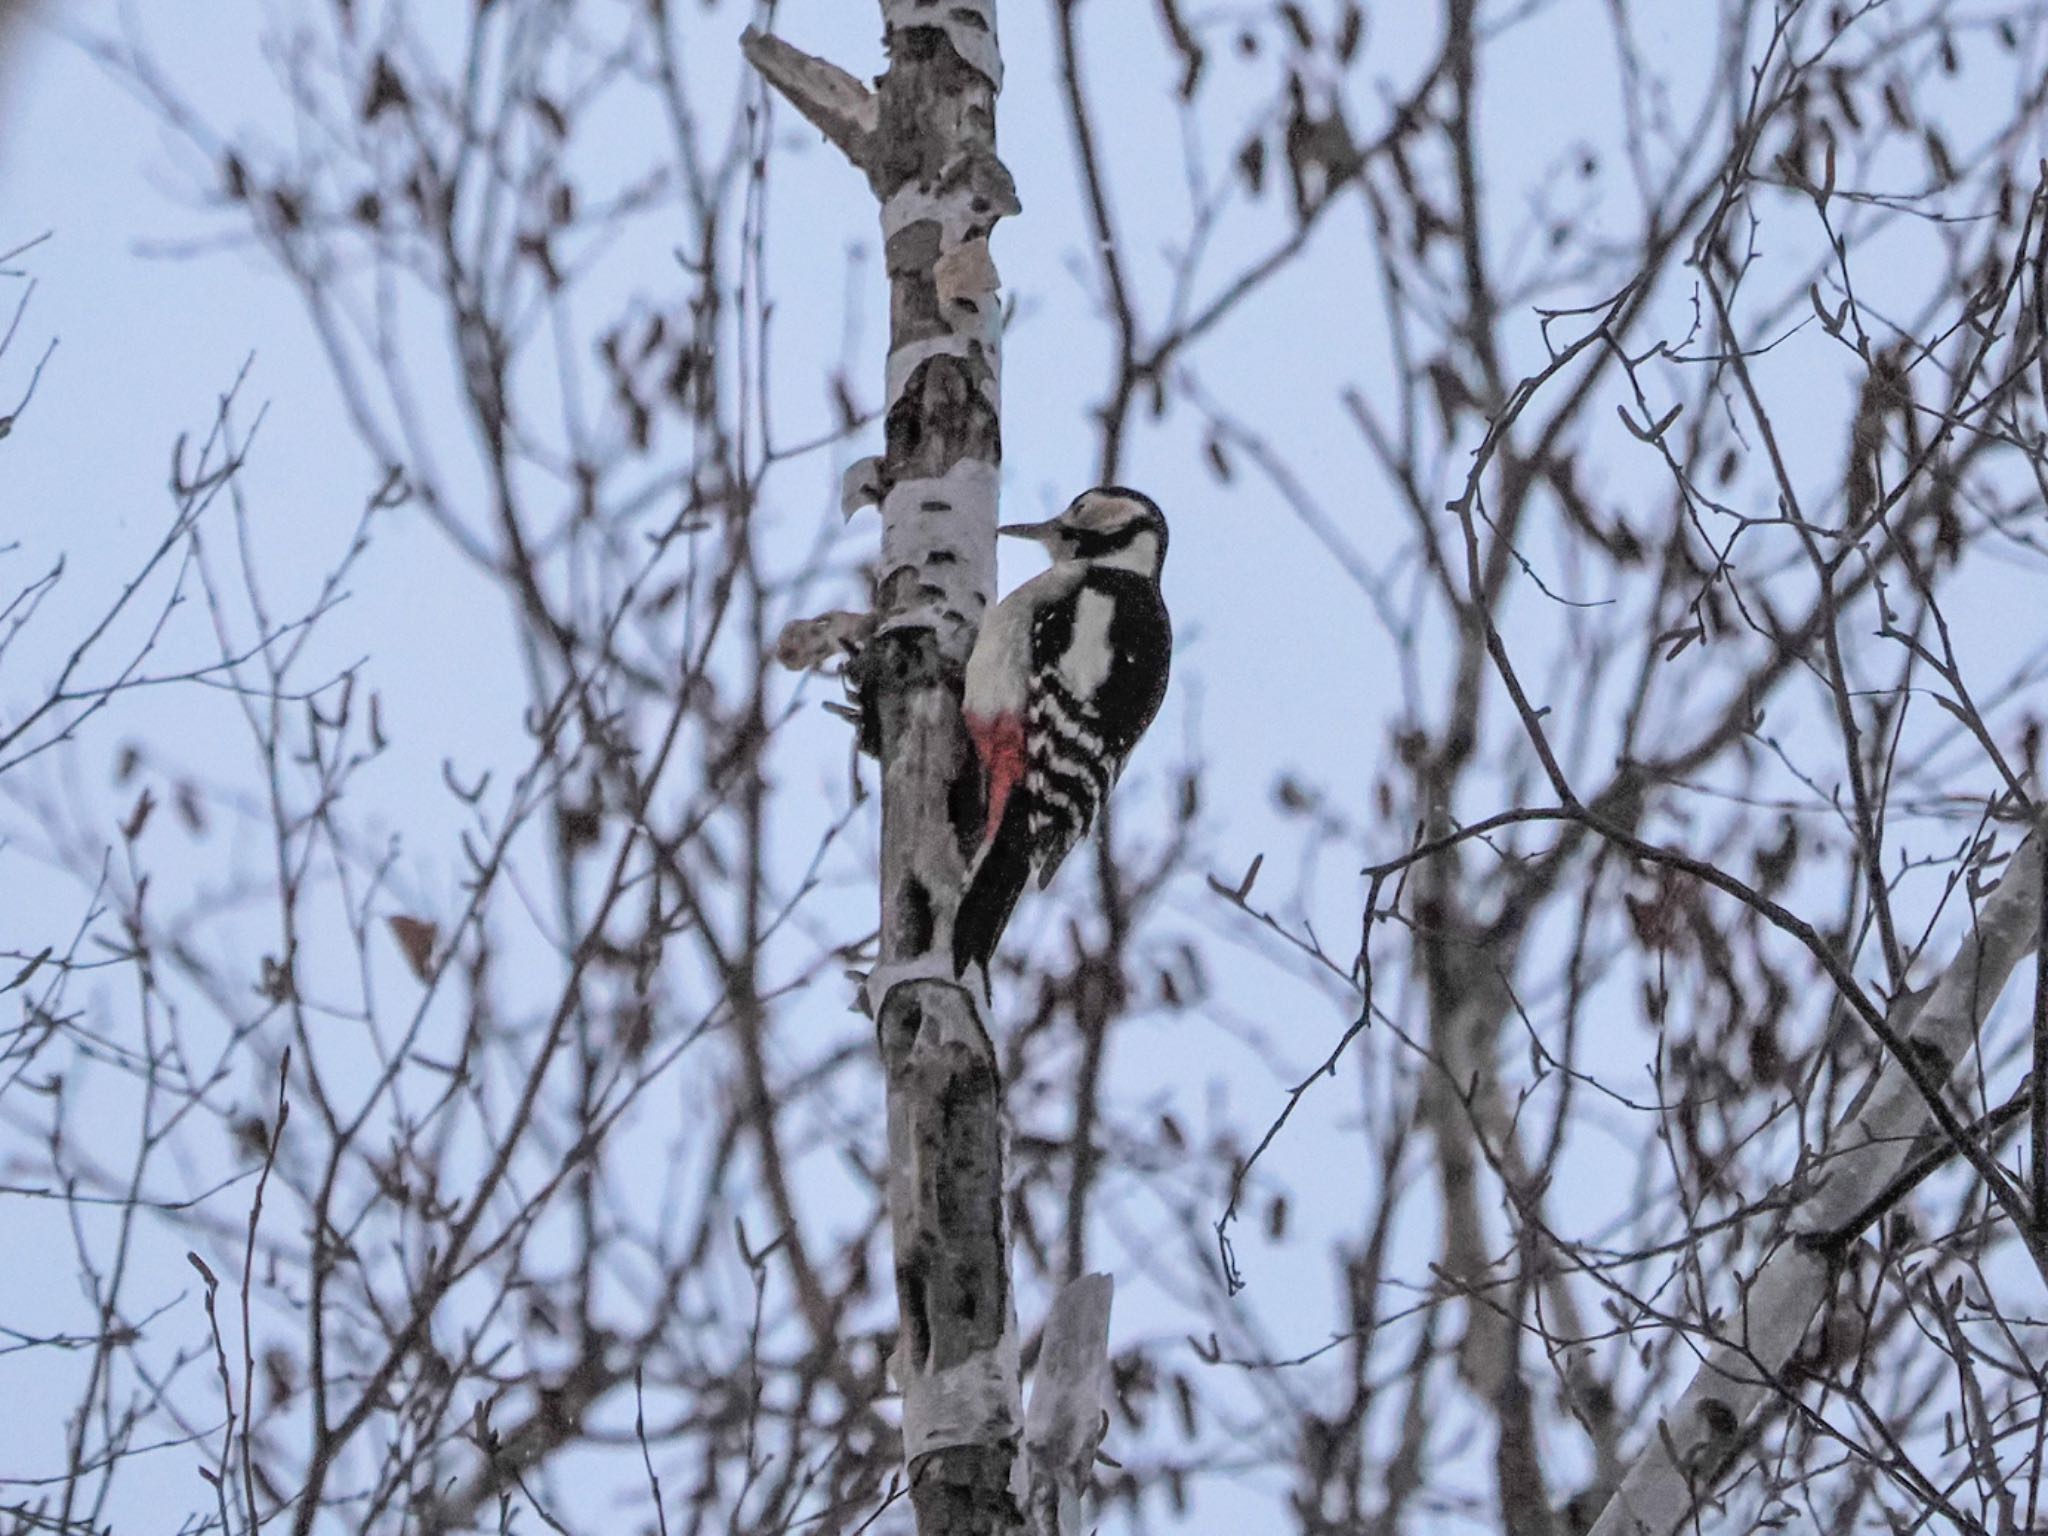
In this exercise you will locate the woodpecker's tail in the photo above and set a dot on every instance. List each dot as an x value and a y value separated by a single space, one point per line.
994 883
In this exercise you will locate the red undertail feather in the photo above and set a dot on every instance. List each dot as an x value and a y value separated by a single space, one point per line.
999 743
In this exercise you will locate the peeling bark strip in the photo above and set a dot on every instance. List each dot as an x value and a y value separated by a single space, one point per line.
925 138
1787 1289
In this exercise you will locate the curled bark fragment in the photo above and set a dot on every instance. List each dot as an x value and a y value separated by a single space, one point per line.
808 645
966 274
863 485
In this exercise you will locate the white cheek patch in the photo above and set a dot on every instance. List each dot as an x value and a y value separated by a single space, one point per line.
1085 666
1140 555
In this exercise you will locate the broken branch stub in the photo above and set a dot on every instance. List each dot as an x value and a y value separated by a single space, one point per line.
834 103
1068 1391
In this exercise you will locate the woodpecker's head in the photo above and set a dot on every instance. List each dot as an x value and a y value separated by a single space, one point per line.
1109 526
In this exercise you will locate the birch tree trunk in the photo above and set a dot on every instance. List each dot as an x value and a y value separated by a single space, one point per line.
925 138
1785 1291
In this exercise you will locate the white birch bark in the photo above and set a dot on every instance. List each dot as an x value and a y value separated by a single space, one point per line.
1780 1296
925 138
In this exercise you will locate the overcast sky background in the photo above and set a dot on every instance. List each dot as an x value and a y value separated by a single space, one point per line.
1280 671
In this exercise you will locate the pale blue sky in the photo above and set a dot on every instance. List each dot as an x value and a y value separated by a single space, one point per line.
1281 667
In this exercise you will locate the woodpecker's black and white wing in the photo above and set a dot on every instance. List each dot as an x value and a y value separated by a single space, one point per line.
1099 661
1066 674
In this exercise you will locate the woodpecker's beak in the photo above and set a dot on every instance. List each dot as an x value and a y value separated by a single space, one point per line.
1046 532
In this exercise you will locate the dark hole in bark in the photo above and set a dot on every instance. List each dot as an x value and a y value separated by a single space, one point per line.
860 679
919 45
914 917
910 1286
942 557
967 806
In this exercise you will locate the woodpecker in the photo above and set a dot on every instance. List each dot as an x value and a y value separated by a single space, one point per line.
1066 674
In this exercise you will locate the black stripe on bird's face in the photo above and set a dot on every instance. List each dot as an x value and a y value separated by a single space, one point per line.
1088 544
